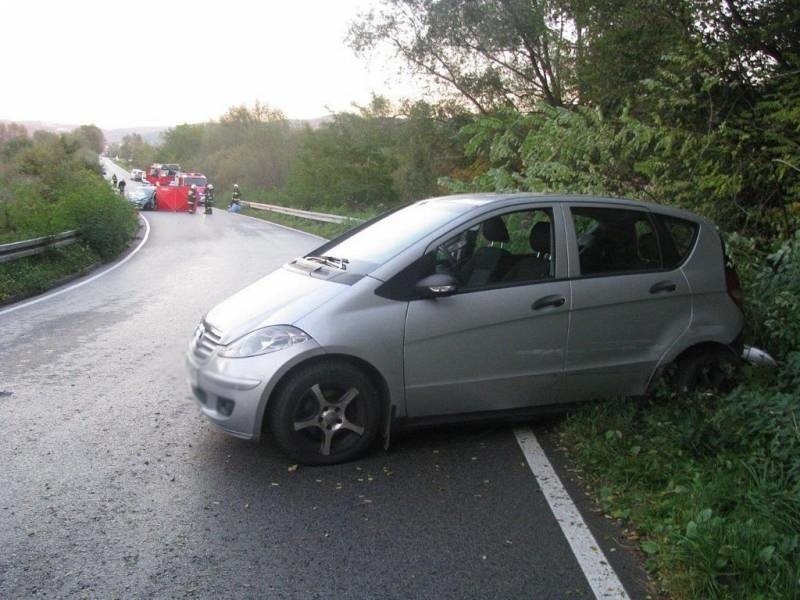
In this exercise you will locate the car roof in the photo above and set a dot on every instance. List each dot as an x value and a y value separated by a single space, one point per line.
467 202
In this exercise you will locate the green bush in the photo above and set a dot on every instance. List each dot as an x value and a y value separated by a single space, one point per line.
50 184
713 483
711 487
772 292
106 221
35 274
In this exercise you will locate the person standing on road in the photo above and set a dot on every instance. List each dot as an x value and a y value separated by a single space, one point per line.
192 197
235 197
121 186
209 198
114 180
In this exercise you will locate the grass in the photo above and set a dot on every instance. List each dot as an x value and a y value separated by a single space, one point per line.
712 500
320 228
34 274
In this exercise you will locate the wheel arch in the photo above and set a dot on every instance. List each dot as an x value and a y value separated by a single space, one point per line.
370 370
692 350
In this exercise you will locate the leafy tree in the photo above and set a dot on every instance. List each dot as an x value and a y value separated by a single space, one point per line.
342 166
136 151
181 143
10 131
510 53
382 156
620 43
91 137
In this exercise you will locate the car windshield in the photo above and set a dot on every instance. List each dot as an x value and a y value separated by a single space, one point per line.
140 193
388 236
201 181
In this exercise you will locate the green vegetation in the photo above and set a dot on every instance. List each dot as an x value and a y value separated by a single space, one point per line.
712 483
35 274
370 161
698 479
52 183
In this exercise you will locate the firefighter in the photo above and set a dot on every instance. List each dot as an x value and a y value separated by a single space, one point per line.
121 186
235 197
209 198
192 197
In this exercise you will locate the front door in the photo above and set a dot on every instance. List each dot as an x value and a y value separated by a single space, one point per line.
499 342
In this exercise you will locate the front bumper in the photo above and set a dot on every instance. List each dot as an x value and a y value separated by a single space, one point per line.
232 392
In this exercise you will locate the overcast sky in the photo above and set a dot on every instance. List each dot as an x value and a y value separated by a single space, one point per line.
117 63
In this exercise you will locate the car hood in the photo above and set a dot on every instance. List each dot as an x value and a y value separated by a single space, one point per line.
280 298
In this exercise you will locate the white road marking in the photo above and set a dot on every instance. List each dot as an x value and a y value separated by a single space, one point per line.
85 281
601 576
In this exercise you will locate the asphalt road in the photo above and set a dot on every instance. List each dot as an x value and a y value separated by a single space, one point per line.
112 484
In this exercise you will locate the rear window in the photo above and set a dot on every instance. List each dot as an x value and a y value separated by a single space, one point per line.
678 237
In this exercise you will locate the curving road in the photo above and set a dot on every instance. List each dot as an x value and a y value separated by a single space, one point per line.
113 485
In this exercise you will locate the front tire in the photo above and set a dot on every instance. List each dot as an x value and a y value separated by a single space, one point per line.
325 413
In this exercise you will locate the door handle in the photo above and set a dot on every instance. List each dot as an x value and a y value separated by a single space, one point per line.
554 300
663 286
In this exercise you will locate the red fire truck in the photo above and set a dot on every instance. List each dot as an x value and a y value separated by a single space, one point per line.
173 196
159 174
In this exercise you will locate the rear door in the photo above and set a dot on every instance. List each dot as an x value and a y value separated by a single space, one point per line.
628 308
499 342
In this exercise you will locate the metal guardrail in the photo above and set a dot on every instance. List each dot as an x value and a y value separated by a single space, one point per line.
305 214
16 250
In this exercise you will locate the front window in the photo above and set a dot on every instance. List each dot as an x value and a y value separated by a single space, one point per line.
198 181
509 249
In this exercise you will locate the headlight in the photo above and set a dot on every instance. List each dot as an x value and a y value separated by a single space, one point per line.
263 341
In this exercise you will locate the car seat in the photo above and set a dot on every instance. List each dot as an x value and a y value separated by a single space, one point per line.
488 262
531 267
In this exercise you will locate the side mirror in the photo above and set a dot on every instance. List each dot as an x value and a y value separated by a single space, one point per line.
437 285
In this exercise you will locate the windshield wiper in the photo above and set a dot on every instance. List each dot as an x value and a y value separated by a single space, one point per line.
330 261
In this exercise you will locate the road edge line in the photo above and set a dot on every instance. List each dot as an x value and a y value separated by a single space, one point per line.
64 290
593 562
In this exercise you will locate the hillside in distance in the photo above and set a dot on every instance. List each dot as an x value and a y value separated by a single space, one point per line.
151 135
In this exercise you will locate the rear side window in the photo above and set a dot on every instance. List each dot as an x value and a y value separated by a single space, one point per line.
615 240
677 239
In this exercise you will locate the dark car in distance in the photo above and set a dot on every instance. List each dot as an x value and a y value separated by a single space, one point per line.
142 197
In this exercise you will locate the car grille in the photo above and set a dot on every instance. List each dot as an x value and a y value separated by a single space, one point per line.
206 340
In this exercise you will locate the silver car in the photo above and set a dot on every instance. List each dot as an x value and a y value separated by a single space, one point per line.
467 306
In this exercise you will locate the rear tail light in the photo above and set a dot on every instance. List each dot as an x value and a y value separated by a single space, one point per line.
734 287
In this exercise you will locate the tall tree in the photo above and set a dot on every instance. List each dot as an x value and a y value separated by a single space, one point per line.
92 137
492 53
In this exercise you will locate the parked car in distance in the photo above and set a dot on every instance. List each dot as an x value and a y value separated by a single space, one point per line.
465 307
137 174
142 197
